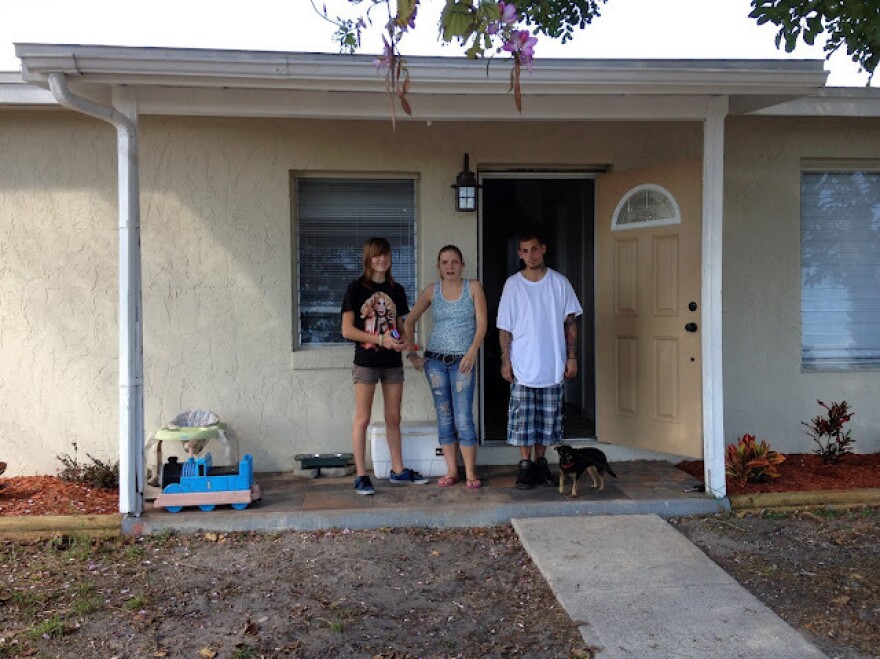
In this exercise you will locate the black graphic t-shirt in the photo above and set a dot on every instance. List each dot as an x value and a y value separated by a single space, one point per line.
377 310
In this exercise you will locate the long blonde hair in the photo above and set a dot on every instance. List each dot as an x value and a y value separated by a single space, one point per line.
372 248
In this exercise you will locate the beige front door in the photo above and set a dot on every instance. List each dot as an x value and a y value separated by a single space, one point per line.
648 384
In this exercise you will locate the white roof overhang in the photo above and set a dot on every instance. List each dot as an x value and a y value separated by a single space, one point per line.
183 81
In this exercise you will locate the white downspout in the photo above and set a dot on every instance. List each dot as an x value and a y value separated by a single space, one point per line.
131 357
711 318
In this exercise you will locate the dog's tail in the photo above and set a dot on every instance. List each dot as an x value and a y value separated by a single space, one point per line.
610 470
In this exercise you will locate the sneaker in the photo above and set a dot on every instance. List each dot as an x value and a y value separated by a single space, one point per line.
526 476
544 475
407 477
362 485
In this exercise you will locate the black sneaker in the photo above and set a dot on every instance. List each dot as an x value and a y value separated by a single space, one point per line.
525 479
362 485
544 475
407 477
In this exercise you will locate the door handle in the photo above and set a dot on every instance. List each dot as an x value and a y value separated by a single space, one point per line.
690 327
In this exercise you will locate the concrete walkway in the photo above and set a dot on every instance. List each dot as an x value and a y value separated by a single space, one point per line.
638 588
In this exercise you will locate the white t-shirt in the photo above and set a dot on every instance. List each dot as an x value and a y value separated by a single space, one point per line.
534 313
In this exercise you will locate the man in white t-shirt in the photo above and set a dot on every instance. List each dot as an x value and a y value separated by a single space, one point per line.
538 334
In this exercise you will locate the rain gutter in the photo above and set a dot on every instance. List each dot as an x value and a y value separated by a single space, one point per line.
131 357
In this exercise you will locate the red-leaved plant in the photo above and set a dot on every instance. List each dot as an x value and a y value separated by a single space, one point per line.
750 461
828 432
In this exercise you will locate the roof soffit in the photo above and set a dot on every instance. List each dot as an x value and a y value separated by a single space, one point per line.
211 74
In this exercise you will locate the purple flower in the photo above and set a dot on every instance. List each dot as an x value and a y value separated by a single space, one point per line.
508 17
508 13
522 45
387 54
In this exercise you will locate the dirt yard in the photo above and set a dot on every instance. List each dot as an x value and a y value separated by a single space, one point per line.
387 593
390 593
819 570
413 593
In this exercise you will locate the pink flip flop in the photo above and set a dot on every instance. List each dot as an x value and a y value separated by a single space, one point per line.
447 481
474 483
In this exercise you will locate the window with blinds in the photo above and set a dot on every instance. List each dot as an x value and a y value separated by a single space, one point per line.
334 218
840 270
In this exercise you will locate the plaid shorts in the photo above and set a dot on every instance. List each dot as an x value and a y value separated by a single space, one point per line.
534 416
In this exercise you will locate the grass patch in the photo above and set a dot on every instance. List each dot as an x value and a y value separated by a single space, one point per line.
827 513
28 602
77 546
133 553
86 600
162 538
135 603
51 628
82 607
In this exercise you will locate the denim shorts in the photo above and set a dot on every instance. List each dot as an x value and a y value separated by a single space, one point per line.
534 416
453 393
372 375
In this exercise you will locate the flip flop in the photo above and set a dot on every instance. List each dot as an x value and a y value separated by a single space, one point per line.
447 481
474 483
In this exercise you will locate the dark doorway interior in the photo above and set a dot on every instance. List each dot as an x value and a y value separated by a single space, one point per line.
561 212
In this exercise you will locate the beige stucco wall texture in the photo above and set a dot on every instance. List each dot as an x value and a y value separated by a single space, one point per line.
766 393
217 275
58 290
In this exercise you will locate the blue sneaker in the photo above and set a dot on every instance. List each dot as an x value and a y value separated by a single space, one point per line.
362 485
407 477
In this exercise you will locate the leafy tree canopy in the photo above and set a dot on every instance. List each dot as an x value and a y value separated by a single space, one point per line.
490 27
850 24
481 27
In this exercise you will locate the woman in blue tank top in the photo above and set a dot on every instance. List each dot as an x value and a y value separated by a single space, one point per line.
459 313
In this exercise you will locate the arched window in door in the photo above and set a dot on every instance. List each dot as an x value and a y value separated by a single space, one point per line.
646 205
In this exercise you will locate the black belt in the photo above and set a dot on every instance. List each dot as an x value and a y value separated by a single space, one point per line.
440 357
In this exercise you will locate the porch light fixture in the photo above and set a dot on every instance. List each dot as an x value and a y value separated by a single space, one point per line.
466 187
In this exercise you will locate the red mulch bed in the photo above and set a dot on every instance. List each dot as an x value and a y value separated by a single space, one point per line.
806 471
49 495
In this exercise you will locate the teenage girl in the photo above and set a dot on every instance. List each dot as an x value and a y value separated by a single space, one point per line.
372 314
459 314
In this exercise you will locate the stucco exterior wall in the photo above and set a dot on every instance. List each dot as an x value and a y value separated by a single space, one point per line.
58 289
765 391
218 289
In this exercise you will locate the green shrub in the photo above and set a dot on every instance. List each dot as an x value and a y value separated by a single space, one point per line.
750 461
827 431
97 474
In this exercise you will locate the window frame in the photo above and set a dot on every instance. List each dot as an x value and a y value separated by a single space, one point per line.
615 226
295 176
826 166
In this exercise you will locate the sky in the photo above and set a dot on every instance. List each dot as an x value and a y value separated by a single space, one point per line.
697 29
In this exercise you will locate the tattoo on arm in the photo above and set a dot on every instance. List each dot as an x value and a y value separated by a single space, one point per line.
571 335
505 338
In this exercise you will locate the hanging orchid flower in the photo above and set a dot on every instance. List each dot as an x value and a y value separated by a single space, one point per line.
484 27
387 55
508 17
522 46
508 13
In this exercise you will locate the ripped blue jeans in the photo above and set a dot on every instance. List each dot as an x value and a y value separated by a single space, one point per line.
453 393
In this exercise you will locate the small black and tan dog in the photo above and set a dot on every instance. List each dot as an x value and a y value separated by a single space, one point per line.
575 461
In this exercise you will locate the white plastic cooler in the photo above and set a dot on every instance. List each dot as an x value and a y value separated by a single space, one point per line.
421 449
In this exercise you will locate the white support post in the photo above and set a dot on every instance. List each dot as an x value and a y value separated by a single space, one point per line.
711 317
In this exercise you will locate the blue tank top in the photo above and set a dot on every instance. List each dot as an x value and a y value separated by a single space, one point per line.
455 322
